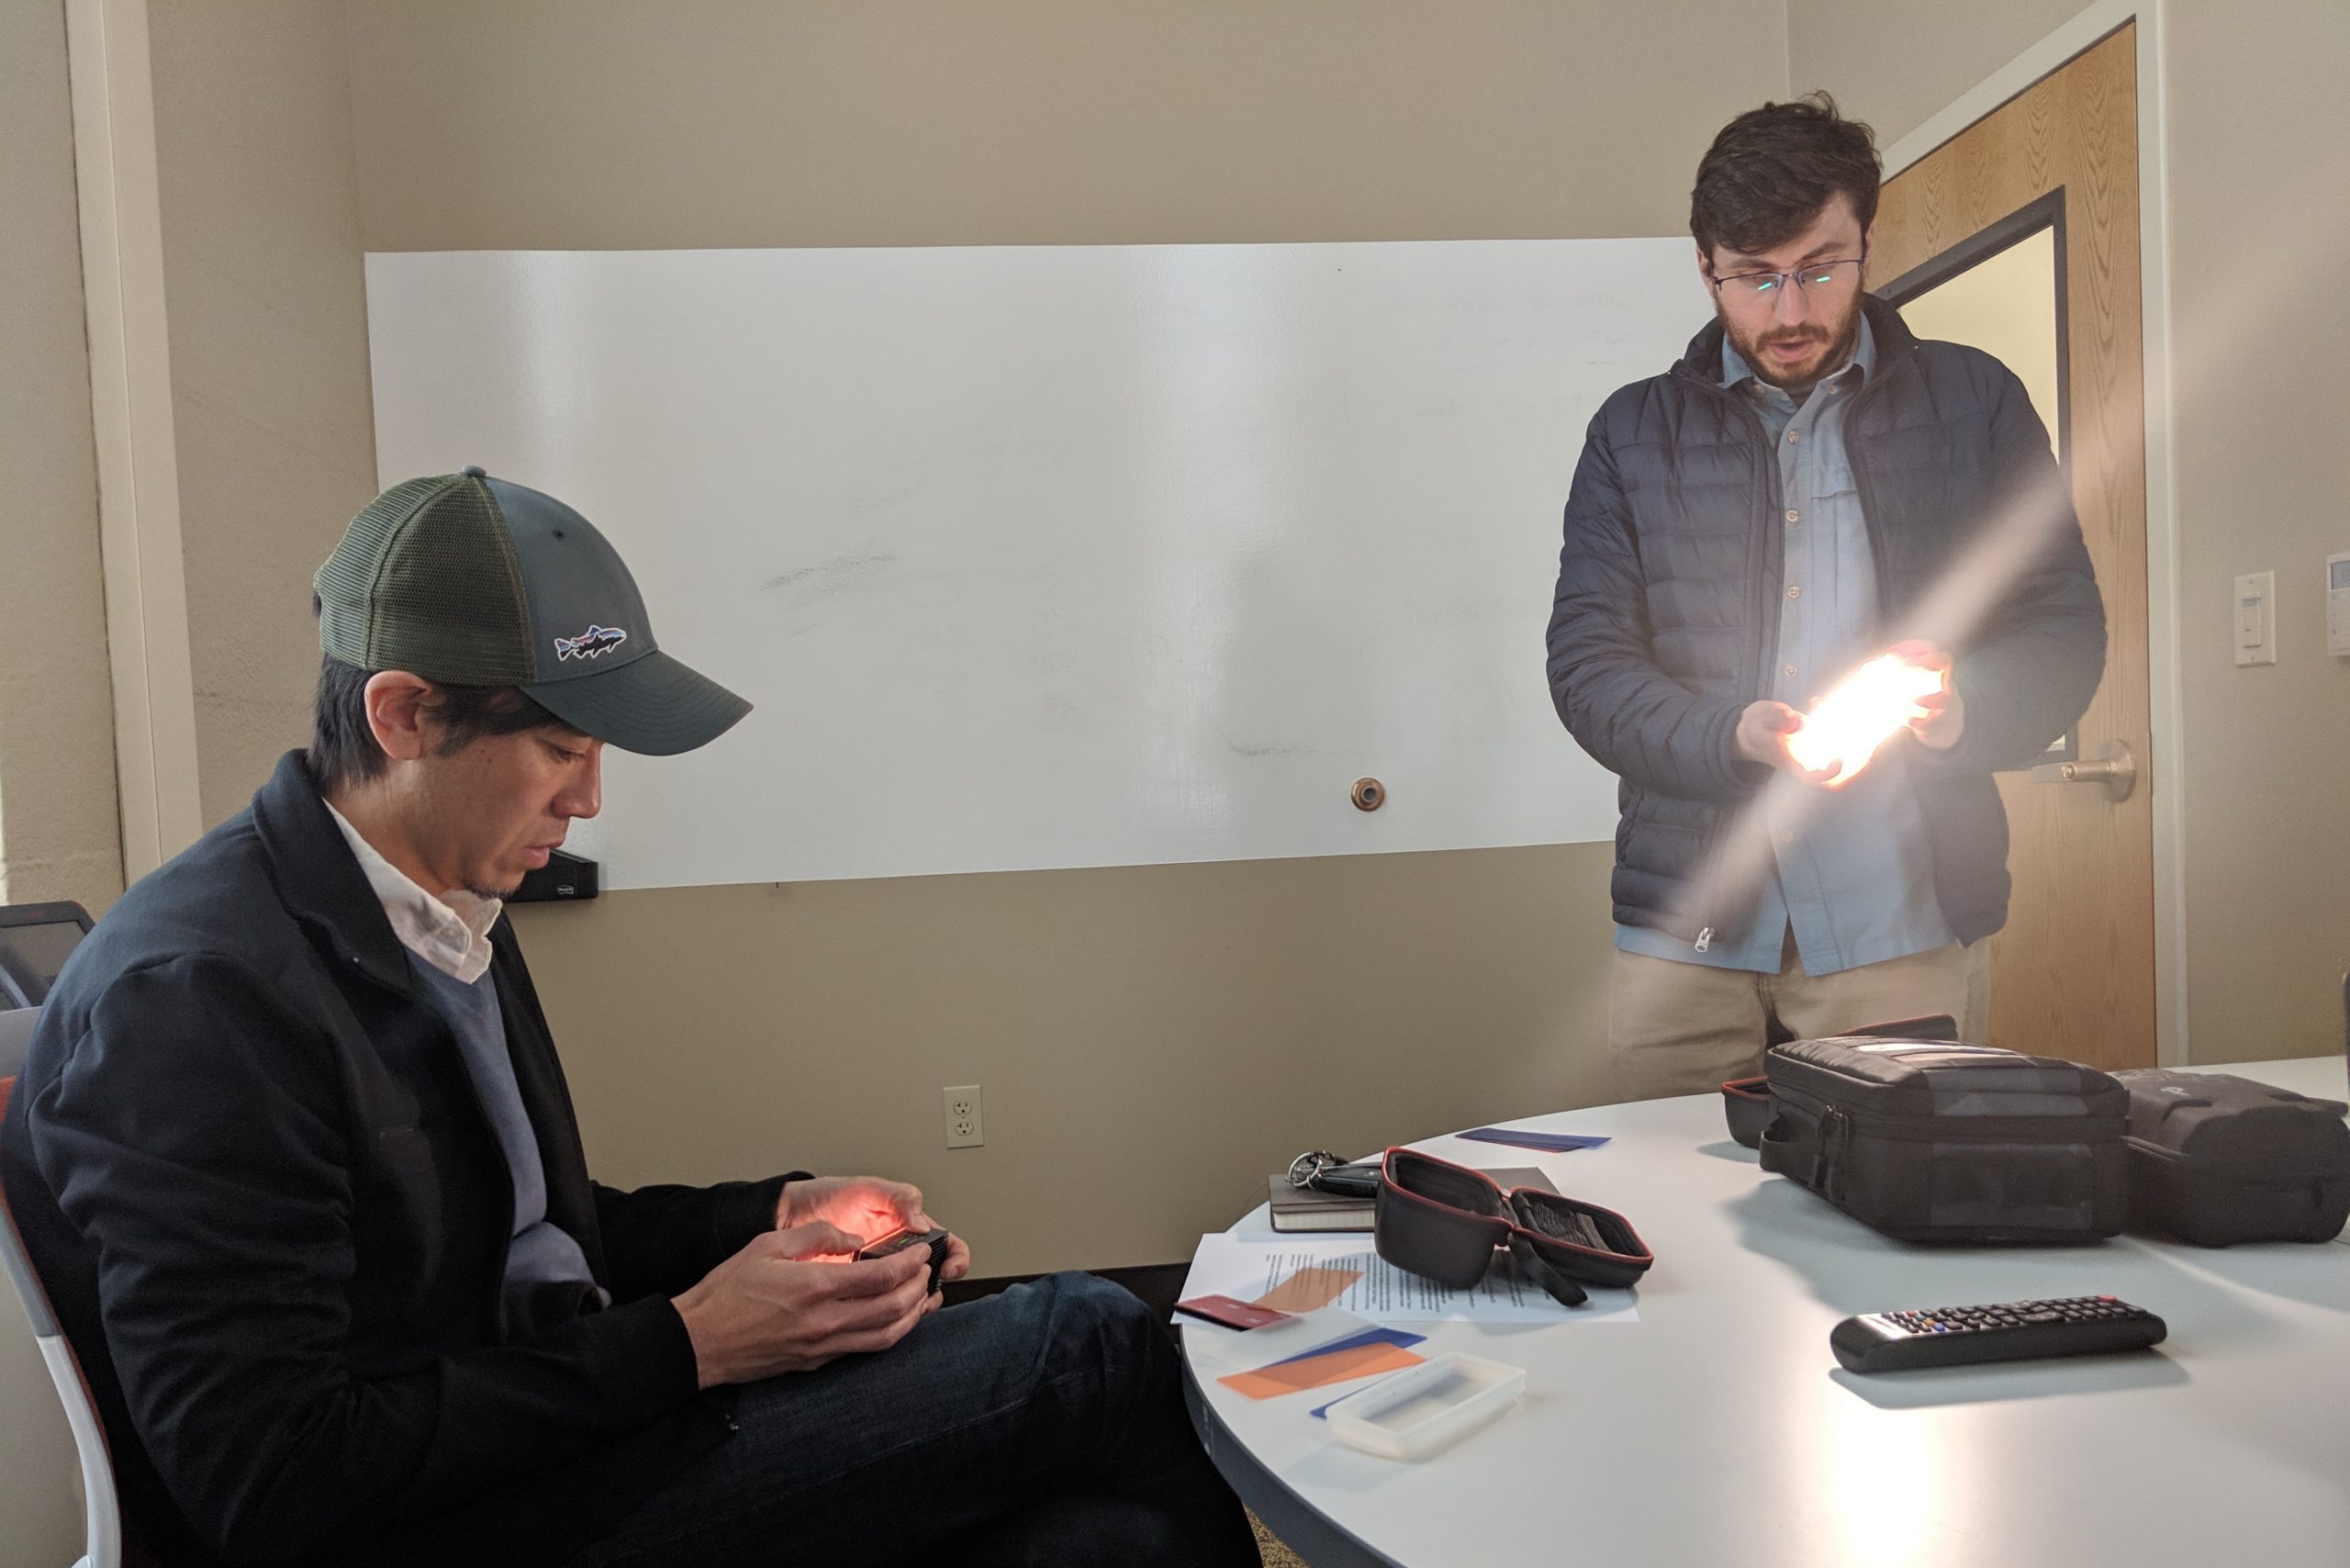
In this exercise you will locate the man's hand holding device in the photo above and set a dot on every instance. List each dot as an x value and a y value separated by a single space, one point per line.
881 1211
1766 729
852 1266
934 1245
1908 687
1941 716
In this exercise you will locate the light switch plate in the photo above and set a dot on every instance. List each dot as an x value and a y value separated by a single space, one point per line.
2337 603
2255 619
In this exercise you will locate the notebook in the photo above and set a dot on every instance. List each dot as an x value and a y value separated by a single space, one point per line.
1301 1208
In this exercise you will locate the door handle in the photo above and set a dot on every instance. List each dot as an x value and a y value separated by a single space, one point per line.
2112 766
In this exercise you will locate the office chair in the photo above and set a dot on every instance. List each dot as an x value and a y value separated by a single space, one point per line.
102 1513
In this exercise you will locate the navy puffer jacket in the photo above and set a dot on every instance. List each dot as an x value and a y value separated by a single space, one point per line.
1667 613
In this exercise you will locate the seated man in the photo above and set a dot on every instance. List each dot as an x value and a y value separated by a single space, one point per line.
295 1156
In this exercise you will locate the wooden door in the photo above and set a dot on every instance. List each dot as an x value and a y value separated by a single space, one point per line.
2072 974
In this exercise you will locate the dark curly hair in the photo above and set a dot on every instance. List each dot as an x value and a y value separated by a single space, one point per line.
1771 169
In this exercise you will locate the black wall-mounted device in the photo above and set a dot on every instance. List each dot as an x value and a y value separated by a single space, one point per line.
563 879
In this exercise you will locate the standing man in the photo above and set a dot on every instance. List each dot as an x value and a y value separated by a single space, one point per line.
294 1158
1743 532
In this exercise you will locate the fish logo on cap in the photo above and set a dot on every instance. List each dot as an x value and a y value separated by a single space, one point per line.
593 642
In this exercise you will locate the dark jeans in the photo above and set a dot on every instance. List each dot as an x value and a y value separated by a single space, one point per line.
1042 1425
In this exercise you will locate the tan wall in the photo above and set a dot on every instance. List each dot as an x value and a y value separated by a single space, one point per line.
571 124
1150 1040
267 302
58 838
1896 64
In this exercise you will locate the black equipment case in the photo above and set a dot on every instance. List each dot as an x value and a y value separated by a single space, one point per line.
1746 1102
1943 1142
2216 1160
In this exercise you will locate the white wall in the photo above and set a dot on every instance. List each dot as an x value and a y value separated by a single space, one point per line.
1043 556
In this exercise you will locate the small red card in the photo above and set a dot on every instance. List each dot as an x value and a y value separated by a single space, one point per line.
1231 1312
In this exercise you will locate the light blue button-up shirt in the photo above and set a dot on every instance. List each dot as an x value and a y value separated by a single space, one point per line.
1852 882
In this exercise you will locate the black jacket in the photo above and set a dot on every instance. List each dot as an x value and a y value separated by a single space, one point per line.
252 1173
1667 618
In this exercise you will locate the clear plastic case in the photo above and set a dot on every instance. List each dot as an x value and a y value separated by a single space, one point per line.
1421 1409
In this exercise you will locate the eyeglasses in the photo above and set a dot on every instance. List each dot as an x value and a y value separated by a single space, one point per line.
1824 278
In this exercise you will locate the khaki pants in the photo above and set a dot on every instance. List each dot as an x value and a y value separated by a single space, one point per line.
1677 1028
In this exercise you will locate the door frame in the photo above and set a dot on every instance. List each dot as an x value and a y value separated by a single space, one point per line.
2165 700
158 807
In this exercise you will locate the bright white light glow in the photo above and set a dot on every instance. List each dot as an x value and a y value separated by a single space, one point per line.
1861 715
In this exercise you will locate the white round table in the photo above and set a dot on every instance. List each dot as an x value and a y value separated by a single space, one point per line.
1718 1428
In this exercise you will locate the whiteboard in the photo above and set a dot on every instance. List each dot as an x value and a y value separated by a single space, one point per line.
1058 556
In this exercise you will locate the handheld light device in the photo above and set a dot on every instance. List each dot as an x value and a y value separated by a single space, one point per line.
1867 709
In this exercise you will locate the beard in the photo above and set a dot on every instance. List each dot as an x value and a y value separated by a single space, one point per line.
1835 344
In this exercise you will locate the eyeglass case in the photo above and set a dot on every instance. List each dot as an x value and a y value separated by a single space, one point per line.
1950 1142
1445 1221
2217 1159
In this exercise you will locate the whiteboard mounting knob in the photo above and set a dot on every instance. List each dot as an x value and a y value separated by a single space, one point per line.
1369 794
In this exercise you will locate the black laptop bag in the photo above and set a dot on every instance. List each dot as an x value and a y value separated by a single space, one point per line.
1949 1142
2216 1160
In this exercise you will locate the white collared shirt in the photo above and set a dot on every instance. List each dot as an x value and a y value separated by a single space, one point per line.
450 931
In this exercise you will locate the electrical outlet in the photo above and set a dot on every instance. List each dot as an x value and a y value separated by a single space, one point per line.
963 1118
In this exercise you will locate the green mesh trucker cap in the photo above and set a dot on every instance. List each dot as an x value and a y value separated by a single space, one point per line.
476 581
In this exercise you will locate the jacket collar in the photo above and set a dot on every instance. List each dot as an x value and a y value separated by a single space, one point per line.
319 880
1895 343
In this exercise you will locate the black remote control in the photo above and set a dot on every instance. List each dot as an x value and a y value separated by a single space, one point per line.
899 1241
2007 1331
